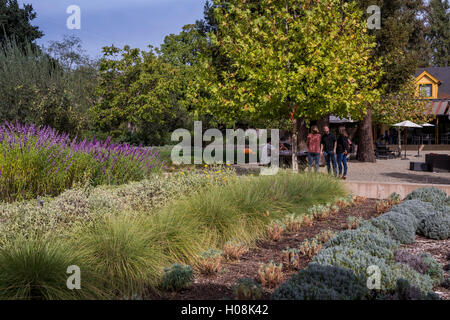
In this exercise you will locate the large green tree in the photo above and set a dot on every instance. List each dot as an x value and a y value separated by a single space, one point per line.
296 60
140 96
15 23
439 34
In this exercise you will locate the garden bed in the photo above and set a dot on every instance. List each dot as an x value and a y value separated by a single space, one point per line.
218 286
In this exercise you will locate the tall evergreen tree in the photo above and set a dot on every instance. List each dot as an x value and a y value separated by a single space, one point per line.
15 23
439 34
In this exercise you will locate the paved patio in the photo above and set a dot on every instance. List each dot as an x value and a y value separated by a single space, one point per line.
395 170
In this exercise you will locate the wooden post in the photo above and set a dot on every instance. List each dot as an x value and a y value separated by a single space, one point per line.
437 130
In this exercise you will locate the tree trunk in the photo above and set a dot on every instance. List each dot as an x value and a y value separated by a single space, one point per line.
366 152
294 145
302 132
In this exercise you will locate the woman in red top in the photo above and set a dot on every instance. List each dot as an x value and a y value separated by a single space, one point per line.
313 142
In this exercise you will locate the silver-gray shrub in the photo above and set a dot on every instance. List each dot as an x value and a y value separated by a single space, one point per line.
432 195
358 261
436 226
318 282
405 226
416 208
375 243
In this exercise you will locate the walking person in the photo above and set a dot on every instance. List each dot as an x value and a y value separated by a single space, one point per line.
328 148
342 150
313 142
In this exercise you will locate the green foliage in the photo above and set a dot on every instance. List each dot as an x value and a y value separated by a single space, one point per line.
177 278
434 268
247 289
405 291
439 34
34 88
140 96
121 249
318 282
436 226
36 269
287 54
15 23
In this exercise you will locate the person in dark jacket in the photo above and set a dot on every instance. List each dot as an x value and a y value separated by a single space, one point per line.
342 150
328 147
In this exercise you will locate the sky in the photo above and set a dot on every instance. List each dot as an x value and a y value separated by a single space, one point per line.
137 23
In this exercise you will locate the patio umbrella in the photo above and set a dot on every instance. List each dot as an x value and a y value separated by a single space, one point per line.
405 124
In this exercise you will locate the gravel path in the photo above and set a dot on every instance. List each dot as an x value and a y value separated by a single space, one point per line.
395 170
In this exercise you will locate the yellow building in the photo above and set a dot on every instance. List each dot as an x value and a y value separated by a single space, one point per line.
433 84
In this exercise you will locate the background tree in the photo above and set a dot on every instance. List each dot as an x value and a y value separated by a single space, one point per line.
290 60
402 48
139 96
15 23
439 34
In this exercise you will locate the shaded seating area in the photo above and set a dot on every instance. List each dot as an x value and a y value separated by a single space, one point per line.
384 152
433 163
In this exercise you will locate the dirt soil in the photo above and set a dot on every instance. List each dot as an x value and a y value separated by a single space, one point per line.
218 287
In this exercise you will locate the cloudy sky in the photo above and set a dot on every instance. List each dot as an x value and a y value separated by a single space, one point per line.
119 22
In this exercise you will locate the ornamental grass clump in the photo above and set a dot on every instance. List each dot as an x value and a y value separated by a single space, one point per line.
40 161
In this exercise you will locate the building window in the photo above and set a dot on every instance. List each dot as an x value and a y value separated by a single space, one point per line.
426 90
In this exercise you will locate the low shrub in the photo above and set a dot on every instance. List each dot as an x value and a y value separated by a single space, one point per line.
233 250
293 222
383 206
405 291
247 289
358 261
376 244
270 274
307 221
177 278
436 226
432 195
412 260
210 262
405 226
433 268
394 198
318 282
378 225
353 222
415 208
275 230
310 248
325 236
290 258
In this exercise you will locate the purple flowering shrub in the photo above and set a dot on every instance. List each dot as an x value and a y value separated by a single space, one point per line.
37 161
